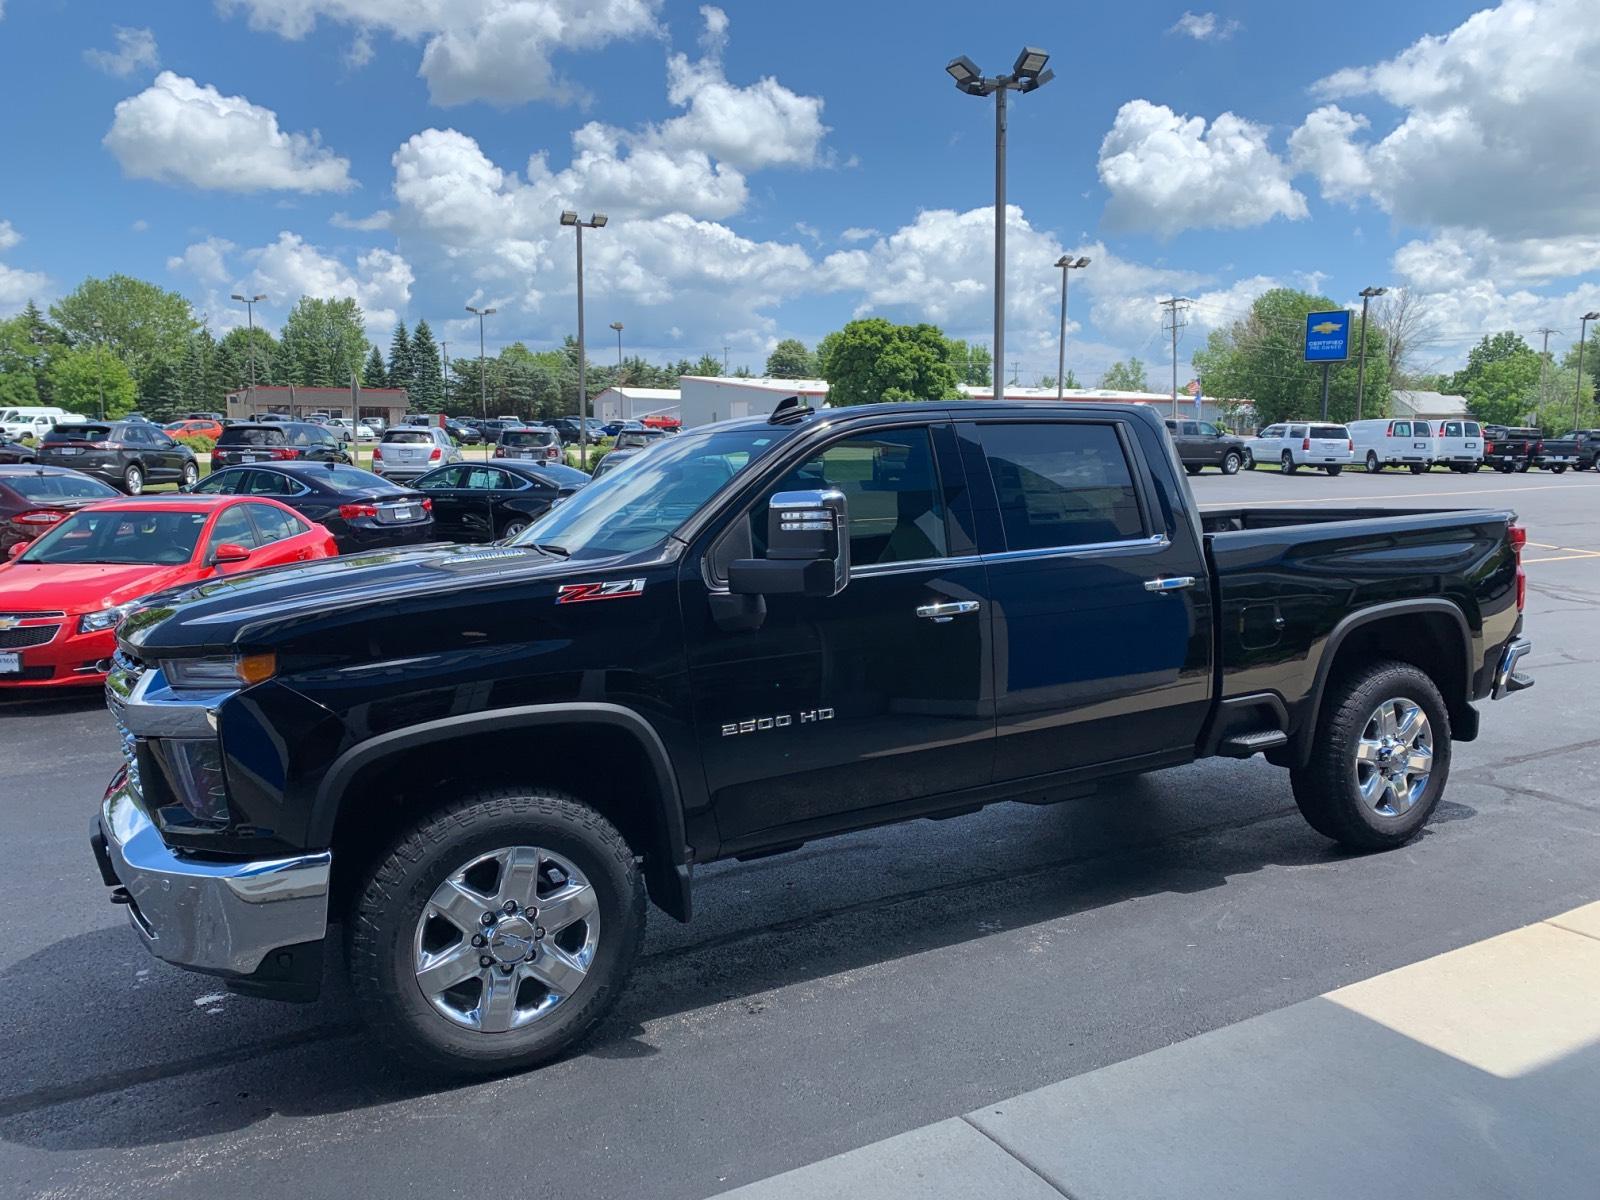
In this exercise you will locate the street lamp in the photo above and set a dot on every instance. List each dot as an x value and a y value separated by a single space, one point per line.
1577 401
595 221
483 379
1067 263
1367 294
617 325
100 362
1028 74
250 303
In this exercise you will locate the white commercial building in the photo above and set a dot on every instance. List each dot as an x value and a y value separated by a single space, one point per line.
1438 406
708 398
635 403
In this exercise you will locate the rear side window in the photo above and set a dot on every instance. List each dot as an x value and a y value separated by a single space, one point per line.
1330 431
251 435
1061 484
273 524
78 433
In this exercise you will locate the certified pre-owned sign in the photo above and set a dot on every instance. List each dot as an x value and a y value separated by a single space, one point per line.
1328 336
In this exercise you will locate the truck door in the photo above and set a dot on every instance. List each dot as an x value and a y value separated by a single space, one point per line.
876 696
1100 602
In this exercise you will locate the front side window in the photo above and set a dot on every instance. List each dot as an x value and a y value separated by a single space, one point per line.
891 487
1207 429
233 525
448 477
1272 431
1061 484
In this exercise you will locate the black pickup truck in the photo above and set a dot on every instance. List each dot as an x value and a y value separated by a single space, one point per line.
478 762
1509 448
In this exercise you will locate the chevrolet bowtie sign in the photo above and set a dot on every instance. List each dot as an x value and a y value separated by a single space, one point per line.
1327 336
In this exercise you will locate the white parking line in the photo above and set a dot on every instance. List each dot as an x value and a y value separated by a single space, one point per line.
1543 487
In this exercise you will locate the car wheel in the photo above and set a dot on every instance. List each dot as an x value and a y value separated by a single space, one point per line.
1192 468
1522 467
1287 464
1231 462
191 474
511 530
1379 760
1373 465
1418 468
1333 470
497 931
133 479
1474 468
1558 470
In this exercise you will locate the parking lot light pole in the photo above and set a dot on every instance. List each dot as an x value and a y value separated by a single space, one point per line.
1028 74
1361 363
1577 400
250 303
1067 264
100 362
483 378
595 221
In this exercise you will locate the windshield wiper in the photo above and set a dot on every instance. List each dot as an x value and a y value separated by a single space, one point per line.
552 548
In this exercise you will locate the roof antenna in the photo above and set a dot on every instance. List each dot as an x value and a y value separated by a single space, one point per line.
789 410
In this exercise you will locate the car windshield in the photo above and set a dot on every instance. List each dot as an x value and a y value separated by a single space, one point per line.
43 488
528 437
78 433
636 509
144 535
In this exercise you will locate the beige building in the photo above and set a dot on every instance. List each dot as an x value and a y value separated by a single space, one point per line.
300 402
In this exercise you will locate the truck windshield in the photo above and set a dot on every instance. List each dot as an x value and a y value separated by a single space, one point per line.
633 510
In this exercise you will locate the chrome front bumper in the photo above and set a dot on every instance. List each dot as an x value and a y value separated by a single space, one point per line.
222 918
1507 678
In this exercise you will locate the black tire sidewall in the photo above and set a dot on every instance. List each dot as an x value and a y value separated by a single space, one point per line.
1231 462
383 927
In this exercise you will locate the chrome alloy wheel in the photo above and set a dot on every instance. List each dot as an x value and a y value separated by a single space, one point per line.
506 939
1394 758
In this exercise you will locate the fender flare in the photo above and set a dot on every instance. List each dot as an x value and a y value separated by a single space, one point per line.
668 881
1312 705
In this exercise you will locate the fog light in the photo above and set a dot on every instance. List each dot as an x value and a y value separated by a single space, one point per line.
193 768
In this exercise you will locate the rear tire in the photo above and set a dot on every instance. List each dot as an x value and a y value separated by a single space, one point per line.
133 479
1192 468
191 475
1344 790
1333 470
1558 470
1419 468
514 528
1373 465
396 923
1287 465
1231 462
1522 467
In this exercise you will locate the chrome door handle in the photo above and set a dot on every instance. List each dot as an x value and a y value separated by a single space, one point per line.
944 610
1169 583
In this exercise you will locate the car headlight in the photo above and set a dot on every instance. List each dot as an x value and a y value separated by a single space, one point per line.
194 772
219 670
106 618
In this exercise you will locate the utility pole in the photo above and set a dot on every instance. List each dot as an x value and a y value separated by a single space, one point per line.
1583 334
1544 360
1361 363
1176 308
1016 372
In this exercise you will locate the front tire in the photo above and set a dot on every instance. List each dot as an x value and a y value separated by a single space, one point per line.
1231 462
133 479
455 951
1192 468
1380 758
1288 466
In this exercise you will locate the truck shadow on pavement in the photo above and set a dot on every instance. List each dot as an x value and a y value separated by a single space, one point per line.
135 1038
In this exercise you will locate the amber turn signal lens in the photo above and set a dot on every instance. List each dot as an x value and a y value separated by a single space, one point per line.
258 668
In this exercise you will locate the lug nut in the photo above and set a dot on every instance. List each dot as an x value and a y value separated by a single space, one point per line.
538 931
478 940
488 918
485 961
510 906
505 969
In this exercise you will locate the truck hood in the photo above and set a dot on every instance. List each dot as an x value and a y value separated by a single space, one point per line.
260 607
82 587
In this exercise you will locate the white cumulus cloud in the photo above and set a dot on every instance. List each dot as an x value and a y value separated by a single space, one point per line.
136 48
179 131
1205 27
1167 173
17 286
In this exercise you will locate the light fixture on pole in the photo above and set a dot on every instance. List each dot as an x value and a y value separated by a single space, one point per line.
1577 401
250 303
1028 74
483 378
1067 264
100 362
617 325
595 221
1367 294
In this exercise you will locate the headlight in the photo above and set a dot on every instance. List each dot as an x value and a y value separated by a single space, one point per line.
194 772
219 671
106 618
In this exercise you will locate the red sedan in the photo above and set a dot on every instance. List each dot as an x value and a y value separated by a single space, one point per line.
63 594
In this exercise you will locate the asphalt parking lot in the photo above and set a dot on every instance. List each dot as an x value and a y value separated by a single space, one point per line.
824 999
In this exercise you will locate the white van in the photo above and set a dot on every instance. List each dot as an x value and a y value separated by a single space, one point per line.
34 421
1458 445
1393 443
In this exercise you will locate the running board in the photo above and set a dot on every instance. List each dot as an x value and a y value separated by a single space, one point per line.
1243 745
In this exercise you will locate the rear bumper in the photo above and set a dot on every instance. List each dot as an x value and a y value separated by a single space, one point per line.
1507 679
219 918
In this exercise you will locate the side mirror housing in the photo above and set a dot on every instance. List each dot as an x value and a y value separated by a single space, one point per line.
228 552
17 548
808 548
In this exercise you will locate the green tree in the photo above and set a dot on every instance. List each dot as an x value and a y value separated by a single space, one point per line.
1493 348
140 324
1260 358
402 367
427 380
323 343
225 373
1125 377
374 374
77 377
1504 390
709 364
192 375
791 360
874 360
241 344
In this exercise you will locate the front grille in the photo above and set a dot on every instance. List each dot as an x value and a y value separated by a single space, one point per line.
31 616
33 635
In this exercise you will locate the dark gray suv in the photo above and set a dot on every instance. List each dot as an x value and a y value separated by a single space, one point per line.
1202 444
126 454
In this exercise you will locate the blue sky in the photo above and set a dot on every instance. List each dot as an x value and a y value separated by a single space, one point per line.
772 170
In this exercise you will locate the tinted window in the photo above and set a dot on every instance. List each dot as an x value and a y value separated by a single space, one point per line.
1330 431
1472 429
1191 429
267 483
1299 431
233 525
148 535
408 435
892 488
309 435
251 435
449 477
1061 484
528 437
78 433
274 524
1420 429
1452 429
135 435
43 488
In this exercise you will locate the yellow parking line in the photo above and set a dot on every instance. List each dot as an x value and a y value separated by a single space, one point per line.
1563 557
1346 499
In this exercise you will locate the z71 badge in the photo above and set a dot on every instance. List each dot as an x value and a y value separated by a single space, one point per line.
615 589
778 721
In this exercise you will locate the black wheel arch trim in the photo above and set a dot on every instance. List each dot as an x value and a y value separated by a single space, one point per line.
667 876
1311 708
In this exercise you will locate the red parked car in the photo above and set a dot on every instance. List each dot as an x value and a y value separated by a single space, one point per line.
32 499
63 594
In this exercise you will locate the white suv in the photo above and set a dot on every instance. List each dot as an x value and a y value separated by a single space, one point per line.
1293 445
